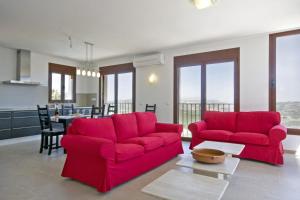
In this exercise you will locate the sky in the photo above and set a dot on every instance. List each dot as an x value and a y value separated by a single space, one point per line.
124 86
288 68
219 83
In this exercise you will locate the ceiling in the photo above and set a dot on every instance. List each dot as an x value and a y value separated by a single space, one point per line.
119 27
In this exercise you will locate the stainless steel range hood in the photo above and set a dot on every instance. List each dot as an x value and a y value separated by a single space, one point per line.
23 76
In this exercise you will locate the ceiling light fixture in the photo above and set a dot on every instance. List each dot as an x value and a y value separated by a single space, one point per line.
78 71
201 4
88 68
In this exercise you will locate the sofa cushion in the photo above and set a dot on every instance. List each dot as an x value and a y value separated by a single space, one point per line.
215 135
146 122
167 137
149 143
220 120
250 138
125 126
257 122
99 128
128 151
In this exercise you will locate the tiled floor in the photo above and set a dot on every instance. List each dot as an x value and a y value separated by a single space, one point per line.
26 174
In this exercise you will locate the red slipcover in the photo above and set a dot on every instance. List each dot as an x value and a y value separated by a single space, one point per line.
125 126
218 135
91 127
107 162
146 122
167 137
128 151
261 133
149 143
220 121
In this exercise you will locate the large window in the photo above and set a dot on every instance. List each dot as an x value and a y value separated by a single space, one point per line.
62 84
205 81
284 78
117 87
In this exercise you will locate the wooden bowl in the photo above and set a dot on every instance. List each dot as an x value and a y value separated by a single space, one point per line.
210 156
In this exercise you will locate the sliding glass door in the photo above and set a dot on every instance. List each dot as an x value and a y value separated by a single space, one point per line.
125 94
205 82
117 87
284 80
189 108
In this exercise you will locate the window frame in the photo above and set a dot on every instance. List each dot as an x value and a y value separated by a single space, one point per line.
63 70
117 69
272 71
225 55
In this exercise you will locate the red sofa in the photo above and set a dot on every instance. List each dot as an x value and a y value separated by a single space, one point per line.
104 153
261 133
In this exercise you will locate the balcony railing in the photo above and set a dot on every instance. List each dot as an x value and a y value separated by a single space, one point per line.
123 107
191 112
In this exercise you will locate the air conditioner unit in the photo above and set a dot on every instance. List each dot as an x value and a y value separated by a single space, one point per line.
149 60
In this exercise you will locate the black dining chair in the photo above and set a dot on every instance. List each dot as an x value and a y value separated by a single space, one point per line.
150 108
111 109
65 109
97 111
47 131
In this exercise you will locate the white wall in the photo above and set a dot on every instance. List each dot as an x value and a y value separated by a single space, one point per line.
253 75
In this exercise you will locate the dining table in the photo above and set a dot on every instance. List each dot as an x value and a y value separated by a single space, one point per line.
65 120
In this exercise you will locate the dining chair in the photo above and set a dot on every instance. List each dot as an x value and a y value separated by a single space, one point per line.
65 109
97 111
150 108
111 109
47 130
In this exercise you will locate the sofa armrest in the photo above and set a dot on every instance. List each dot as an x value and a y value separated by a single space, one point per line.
277 134
165 127
196 127
89 146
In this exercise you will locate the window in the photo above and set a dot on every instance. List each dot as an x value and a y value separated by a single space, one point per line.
284 80
205 81
117 87
62 84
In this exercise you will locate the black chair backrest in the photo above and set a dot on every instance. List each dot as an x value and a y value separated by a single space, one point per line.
45 118
97 111
65 110
150 108
111 109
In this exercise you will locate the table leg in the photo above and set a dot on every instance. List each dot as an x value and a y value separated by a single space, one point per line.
65 132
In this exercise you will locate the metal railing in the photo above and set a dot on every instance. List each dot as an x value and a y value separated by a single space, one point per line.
122 108
191 112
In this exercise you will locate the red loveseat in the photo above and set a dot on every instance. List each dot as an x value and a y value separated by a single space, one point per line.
104 153
261 133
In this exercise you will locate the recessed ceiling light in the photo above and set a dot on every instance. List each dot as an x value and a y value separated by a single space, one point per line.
201 4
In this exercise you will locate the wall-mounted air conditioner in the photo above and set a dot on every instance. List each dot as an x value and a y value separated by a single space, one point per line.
149 60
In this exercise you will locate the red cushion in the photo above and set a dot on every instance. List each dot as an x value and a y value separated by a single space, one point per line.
100 128
125 126
168 137
257 122
250 138
146 122
149 143
128 151
215 135
220 120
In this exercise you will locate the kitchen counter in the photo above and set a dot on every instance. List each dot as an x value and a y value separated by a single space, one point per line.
24 121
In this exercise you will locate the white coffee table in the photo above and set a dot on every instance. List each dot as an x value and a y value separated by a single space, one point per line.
176 185
221 171
228 148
